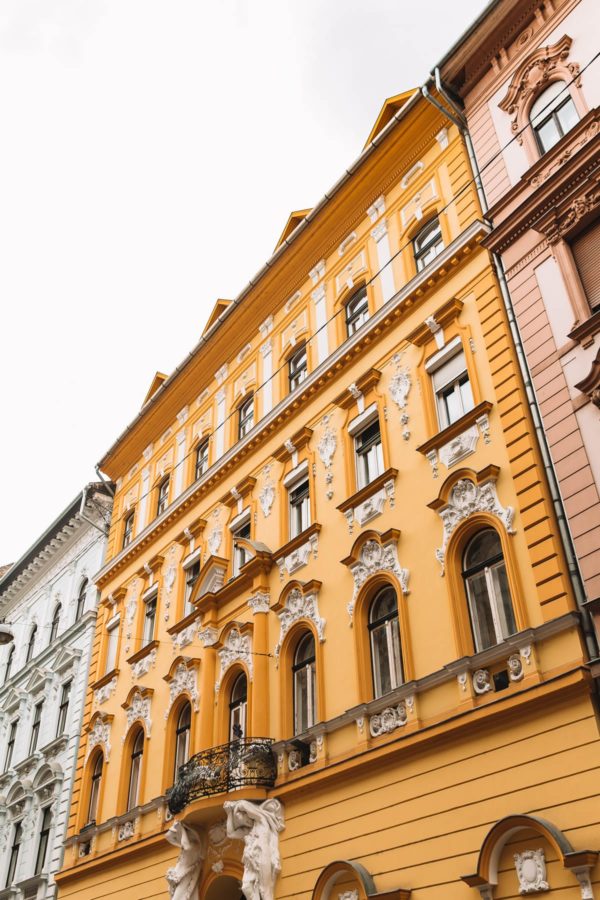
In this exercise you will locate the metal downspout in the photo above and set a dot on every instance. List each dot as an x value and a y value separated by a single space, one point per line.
457 118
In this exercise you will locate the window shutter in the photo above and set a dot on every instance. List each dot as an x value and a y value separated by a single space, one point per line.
586 250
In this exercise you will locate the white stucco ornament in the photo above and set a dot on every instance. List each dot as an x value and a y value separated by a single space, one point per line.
326 449
237 648
182 878
100 734
266 495
182 682
139 710
531 871
259 827
299 606
374 558
467 498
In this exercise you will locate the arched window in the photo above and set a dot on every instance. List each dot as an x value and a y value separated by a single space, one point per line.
357 311
31 643
182 736
552 115
304 684
428 243
386 653
488 594
9 663
55 623
135 769
81 599
238 707
95 789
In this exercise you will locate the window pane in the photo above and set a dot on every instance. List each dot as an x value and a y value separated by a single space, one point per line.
466 395
481 612
382 675
567 116
548 134
395 651
453 404
502 599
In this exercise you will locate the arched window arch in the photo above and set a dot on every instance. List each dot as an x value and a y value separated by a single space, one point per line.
357 310
81 597
135 768
31 643
182 736
304 679
384 634
9 662
95 782
238 707
552 115
488 593
55 623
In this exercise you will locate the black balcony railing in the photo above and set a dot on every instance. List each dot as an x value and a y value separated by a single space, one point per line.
242 763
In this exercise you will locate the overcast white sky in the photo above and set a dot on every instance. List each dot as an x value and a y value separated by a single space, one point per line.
151 152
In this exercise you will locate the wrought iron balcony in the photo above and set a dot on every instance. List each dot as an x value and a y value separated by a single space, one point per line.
247 762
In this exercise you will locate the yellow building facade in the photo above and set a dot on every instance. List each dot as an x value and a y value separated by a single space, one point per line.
335 587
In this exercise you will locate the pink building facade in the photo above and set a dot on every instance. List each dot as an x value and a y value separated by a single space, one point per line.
527 80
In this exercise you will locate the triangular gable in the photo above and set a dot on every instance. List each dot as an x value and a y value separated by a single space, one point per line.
211 577
65 658
292 223
219 307
37 681
12 700
157 382
387 112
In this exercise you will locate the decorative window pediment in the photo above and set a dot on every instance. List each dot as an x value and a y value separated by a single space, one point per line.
236 646
211 577
371 554
99 733
183 679
65 659
138 707
299 601
39 680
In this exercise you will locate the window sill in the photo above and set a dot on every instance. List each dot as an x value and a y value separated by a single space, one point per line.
54 747
369 501
27 764
106 679
182 624
453 431
297 552
141 654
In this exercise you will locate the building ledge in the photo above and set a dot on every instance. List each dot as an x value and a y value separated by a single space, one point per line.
53 748
106 679
143 652
453 431
586 331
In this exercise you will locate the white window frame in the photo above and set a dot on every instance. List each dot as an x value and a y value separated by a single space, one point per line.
444 358
362 462
112 643
150 596
239 556
190 561
291 482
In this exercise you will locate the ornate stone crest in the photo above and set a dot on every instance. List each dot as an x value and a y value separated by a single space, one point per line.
531 871
299 606
238 648
100 734
376 558
183 681
139 710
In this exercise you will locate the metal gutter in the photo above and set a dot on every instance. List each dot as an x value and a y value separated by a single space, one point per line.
358 162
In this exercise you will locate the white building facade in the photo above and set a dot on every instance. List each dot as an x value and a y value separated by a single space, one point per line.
49 601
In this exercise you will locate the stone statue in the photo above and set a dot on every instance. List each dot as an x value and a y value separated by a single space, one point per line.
258 825
182 878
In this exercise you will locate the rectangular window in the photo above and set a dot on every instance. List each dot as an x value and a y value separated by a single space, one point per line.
149 619
163 497
63 709
586 252
201 459
369 454
10 747
299 501
428 244
357 311
128 529
14 855
297 368
246 417
112 641
452 390
35 728
191 577
240 554
43 842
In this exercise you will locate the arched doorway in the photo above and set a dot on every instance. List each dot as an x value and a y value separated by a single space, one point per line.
224 888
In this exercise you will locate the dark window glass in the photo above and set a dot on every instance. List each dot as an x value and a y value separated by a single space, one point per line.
240 554
182 737
201 459
297 368
95 789
191 577
31 643
14 855
81 597
128 529
303 671
63 709
237 708
428 244
357 311
35 728
488 594
135 770
10 747
43 841
163 497
55 624
384 631
149 620
246 417
369 454
552 115
299 508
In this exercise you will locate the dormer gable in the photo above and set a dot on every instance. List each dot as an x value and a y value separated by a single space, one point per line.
156 383
387 113
219 308
294 219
